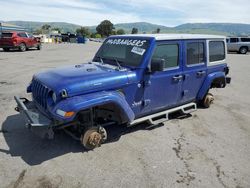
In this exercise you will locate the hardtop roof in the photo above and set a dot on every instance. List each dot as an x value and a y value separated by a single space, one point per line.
174 36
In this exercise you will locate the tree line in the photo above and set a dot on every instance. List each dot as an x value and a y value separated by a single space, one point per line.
104 29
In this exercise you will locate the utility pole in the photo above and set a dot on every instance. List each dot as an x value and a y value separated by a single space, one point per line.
1 30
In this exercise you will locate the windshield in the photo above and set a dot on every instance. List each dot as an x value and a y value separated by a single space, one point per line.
123 51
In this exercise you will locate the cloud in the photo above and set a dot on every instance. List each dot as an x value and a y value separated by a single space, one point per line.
166 12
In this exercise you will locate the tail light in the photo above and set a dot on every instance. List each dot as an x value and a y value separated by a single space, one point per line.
14 40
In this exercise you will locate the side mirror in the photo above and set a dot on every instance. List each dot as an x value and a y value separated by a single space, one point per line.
157 64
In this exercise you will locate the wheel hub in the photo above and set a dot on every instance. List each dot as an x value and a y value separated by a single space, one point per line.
208 99
93 137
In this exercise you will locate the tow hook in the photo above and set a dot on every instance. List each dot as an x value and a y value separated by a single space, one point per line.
17 109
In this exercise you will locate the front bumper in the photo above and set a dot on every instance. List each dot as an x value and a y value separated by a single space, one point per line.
34 119
8 46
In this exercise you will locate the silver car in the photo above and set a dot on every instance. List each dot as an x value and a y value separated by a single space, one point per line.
238 44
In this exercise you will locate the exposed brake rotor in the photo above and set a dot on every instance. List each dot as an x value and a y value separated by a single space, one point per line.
93 137
208 100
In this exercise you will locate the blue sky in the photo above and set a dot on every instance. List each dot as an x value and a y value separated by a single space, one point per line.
164 12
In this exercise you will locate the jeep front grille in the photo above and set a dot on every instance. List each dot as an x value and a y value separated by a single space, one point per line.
40 93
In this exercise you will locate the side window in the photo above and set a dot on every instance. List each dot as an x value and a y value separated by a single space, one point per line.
23 35
233 40
216 51
30 35
168 52
195 53
245 39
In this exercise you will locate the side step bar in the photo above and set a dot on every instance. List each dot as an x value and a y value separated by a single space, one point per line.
161 117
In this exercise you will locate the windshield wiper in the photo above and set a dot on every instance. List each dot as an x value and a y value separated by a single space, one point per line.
112 59
101 60
118 64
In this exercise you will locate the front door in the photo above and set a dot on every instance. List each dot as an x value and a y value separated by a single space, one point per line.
194 69
162 89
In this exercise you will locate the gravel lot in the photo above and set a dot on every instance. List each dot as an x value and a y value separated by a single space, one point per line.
211 148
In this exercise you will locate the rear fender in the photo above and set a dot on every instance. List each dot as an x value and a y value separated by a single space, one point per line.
208 82
79 103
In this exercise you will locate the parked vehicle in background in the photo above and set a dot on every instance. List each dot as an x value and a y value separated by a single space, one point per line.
19 40
238 44
131 79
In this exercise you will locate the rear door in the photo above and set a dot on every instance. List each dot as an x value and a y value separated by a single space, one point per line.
233 45
24 39
163 88
194 69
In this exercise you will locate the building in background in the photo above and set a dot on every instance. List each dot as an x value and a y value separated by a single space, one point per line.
9 27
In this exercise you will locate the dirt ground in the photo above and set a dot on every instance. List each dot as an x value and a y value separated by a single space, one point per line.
210 148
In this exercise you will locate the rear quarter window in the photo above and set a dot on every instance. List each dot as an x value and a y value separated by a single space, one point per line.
216 51
245 39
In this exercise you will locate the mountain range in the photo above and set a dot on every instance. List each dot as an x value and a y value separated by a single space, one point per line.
144 27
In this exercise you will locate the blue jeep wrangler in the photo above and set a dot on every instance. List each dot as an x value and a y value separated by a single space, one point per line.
131 79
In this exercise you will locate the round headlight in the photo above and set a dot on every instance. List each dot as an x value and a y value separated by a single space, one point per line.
54 97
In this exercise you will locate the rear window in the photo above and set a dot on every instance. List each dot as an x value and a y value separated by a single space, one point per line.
7 35
216 51
245 39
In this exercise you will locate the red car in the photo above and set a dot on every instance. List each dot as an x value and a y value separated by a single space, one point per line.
19 40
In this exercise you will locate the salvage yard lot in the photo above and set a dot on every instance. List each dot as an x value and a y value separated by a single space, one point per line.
210 148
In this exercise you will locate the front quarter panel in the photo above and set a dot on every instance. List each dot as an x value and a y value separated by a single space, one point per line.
88 101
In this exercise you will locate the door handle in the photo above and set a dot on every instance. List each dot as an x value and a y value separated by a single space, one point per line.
200 73
177 78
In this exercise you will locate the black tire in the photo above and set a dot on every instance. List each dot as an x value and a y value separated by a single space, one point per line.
39 47
22 47
6 49
243 50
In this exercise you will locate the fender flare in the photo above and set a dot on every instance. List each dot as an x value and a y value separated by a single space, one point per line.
207 83
87 101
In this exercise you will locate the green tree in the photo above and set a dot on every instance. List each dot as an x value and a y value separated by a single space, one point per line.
92 35
105 28
84 31
158 30
45 28
113 32
97 35
38 31
120 32
134 30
